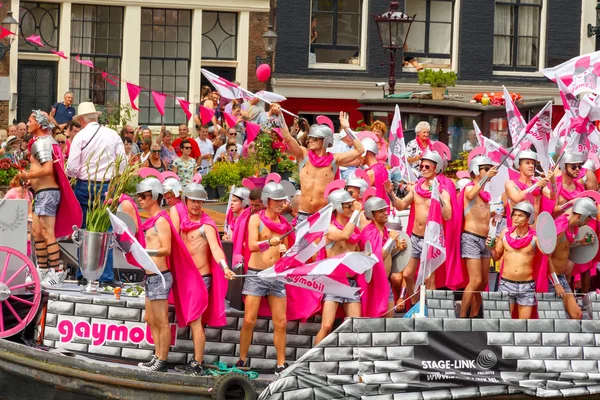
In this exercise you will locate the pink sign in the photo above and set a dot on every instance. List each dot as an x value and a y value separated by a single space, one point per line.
101 332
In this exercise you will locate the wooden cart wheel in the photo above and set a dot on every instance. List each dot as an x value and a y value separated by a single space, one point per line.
17 310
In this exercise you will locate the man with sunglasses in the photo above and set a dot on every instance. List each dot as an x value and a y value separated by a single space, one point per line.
474 202
317 167
231 139
568 185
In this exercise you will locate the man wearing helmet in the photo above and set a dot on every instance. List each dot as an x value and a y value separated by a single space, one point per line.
567 226
201 238
238 203
173 189
474 203
568 185
317 167
376 170
518 245
420 194
378 298
241 253
343 236
266 246
517 190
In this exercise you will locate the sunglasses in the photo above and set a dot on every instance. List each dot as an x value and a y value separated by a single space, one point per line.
424 167
186 148
314 139
131 132
61 142
142 196
233 134
156 151
575 166
486 169
347 205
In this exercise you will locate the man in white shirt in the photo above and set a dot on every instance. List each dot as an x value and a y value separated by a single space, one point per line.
206 149
231 134
342 146
97 146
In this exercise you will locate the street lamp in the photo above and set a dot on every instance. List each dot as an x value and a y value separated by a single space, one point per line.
393 27
11 24
594 30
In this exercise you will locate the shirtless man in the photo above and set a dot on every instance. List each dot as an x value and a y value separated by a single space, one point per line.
518 244
525 163
343 236
475 231
201 238
419 194
317 167
356 187
568 185
239 202
567 226
158 245
47 197
264 231
241 254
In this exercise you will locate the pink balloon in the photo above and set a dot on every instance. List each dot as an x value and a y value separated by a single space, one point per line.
263 72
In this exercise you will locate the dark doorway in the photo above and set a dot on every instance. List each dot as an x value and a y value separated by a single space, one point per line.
36 87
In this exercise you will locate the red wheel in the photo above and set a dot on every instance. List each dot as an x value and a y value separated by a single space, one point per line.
19 299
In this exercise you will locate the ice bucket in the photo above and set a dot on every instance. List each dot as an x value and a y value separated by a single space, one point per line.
93 253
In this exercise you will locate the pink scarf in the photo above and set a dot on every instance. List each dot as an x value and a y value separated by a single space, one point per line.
485 196
374 300
320 161
521 242
562 225
354 238
523 186
279 228
568 196
424 193
240 237
380 175
423 145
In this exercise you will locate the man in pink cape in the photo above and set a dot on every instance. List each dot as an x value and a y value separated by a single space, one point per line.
376 171
451 274
55 209
201 237
241 252
378 299
474 204
318 168
238 202
528 188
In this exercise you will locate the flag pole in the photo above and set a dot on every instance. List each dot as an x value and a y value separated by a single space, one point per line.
421 313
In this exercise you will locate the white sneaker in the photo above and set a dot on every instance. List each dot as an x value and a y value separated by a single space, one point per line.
52 278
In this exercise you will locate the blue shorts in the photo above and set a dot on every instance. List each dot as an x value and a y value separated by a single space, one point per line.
154 286
45 202
417 245
344 300
562 279
207 281
522 293
254 286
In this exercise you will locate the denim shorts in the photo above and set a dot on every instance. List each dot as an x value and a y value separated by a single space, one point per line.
154 286
207 281
521 293
417 245
473 246
254 286
46 201
562 279
344 300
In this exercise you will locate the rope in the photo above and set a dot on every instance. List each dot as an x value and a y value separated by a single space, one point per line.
223 369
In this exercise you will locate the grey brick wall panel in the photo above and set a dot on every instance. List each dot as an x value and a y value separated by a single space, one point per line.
369 325
51 319
340 379
290 352
542 353
513 325
386 339
528 339
437 395
375 379
531 366
400 353
338 354
500 338
414 339
540 325
405 377
457 325
555 339
567 325
300 394
569 353
591 353
586 366
354 339
399 324
348 367
126 314
484 325
329 392
515 352
61 307
558 366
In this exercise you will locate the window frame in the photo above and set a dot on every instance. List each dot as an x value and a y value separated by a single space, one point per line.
235 36
362 47
427 22
78 69
37 29
507 69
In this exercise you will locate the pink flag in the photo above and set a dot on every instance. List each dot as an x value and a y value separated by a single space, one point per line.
579 74
397 149
61 54
434 251
87 63
185 106
539 134
225 88
252 131
516 123
4 32
134 92
108 79
159 101
230 119
206 114
35 39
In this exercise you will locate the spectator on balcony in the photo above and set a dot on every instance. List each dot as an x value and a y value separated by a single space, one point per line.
231 138
62 113
154 160
21 130
379 129
72 129
415 148
128 132
146 143
206 149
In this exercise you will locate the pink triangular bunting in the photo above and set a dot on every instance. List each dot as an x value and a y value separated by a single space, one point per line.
134 92
159 101
4 32
60 53
108 79
87 63
185 106
35 39
230 119
252 131
206 114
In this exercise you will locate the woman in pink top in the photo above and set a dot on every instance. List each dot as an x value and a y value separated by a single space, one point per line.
379 129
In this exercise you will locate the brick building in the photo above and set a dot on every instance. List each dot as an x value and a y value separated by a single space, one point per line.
155 44
487 43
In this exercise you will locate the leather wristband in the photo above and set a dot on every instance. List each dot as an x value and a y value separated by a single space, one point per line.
388 245
355 218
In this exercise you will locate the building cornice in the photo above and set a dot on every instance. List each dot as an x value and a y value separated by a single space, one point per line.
208 5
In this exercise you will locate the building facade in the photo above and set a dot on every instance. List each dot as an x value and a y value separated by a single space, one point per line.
487 43
155 44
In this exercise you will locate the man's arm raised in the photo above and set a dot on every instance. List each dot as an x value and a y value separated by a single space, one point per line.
349 156
297 151
399 204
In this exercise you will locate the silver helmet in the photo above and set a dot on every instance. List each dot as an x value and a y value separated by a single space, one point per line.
394 222
560 143
479 161
354 181
322 132
172 185
525 155
273 191
370 145
373 204
585 207
527 208
194 191
150 184
435 158
589 165
570 158
243 194
461 183
339 197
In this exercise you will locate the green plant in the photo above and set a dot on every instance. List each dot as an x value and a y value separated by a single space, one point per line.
287 164
8 171
222 174
361 125
437 78
460 164
130 184
116 115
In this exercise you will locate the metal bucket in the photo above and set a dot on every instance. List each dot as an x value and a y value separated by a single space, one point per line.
93 254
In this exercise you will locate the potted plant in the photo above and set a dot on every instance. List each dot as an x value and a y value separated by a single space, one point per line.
8 170
221 176
438 80
286 165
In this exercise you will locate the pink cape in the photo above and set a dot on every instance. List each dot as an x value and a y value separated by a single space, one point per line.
188 293
454 277
215 310
241 253
380 175
374 300
139 234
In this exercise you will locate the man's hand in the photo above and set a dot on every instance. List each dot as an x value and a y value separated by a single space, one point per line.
560 291
21 175
344 120
410 186
388 186
229 274
357 206
394 235
488 242
542 183
225 237
585 241
282 248
275 241
551 177
401 244
492 173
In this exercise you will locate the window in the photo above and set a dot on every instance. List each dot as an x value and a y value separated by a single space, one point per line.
219 35
164 62
336 32
96 34
517 34
40 19
430 36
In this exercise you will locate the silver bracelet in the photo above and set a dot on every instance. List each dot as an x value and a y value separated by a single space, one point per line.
355 218
388 245
554 279
152 252
223 264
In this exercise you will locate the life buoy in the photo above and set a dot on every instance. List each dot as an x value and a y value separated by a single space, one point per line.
497 97
233 386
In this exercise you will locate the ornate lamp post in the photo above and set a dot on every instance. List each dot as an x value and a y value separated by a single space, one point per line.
393 27
270 41
11 24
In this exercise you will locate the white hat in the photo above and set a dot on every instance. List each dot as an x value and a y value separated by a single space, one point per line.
86 108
